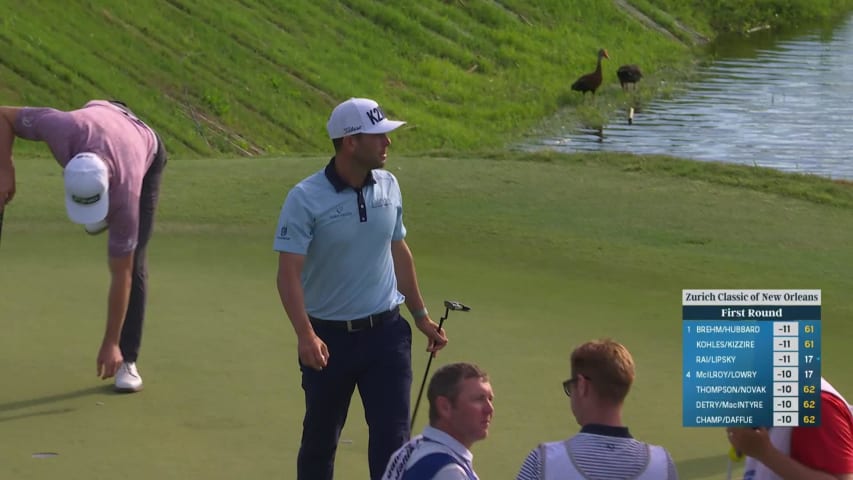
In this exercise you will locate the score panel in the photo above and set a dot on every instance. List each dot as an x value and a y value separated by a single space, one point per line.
751 358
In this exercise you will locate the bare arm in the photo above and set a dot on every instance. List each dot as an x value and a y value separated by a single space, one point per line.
8 115
407 283
313 352
109 356
755 443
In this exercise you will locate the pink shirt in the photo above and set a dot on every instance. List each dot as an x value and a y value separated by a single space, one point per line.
125 144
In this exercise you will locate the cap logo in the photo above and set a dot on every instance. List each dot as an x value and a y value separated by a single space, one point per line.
375 115
86 200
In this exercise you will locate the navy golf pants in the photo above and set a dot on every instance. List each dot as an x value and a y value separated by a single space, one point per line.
379 362
131 331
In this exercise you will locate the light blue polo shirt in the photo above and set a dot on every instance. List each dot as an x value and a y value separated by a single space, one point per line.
346 237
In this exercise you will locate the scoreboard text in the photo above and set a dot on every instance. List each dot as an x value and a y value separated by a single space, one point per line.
751 358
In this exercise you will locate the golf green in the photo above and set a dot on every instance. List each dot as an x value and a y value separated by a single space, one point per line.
547 254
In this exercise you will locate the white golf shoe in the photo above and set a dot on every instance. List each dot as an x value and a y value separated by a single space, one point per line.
128 379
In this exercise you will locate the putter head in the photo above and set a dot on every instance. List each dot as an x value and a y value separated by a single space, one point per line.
451 305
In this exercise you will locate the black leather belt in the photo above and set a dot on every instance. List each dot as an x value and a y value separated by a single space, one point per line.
358 324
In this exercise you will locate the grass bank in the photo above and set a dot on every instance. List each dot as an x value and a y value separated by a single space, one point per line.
260 77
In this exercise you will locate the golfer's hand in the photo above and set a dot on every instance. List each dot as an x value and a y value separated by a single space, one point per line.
752 442
313 352
437 338
109 360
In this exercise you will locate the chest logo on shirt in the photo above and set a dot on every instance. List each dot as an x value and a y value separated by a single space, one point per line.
339 212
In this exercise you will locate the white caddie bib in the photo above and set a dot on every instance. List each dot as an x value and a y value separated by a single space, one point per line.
558 464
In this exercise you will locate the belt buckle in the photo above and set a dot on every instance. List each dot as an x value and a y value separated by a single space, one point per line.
370 324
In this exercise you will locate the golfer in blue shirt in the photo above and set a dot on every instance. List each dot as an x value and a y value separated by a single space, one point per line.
344 269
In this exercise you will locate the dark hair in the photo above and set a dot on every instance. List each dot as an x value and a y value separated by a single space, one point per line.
338 142
608 366
445 383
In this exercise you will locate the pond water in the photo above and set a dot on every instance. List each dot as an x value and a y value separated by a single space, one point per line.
767 100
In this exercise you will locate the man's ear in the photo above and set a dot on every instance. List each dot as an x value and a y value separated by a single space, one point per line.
584 387
443 406
350 142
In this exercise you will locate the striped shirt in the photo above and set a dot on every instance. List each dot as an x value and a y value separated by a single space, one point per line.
600 452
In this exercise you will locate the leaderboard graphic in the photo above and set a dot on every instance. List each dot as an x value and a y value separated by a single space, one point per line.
751 358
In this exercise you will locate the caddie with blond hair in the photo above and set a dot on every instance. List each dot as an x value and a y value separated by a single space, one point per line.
602 372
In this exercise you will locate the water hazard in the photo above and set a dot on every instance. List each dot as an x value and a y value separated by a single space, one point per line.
780 103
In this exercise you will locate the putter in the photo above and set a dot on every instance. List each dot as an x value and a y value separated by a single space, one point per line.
448 306
3 210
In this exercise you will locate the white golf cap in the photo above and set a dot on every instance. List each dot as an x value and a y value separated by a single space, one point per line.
87 184
359 115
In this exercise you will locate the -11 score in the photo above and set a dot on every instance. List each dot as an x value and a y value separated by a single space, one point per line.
806 329
786 343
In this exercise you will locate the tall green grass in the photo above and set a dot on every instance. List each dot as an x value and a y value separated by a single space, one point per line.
260 77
